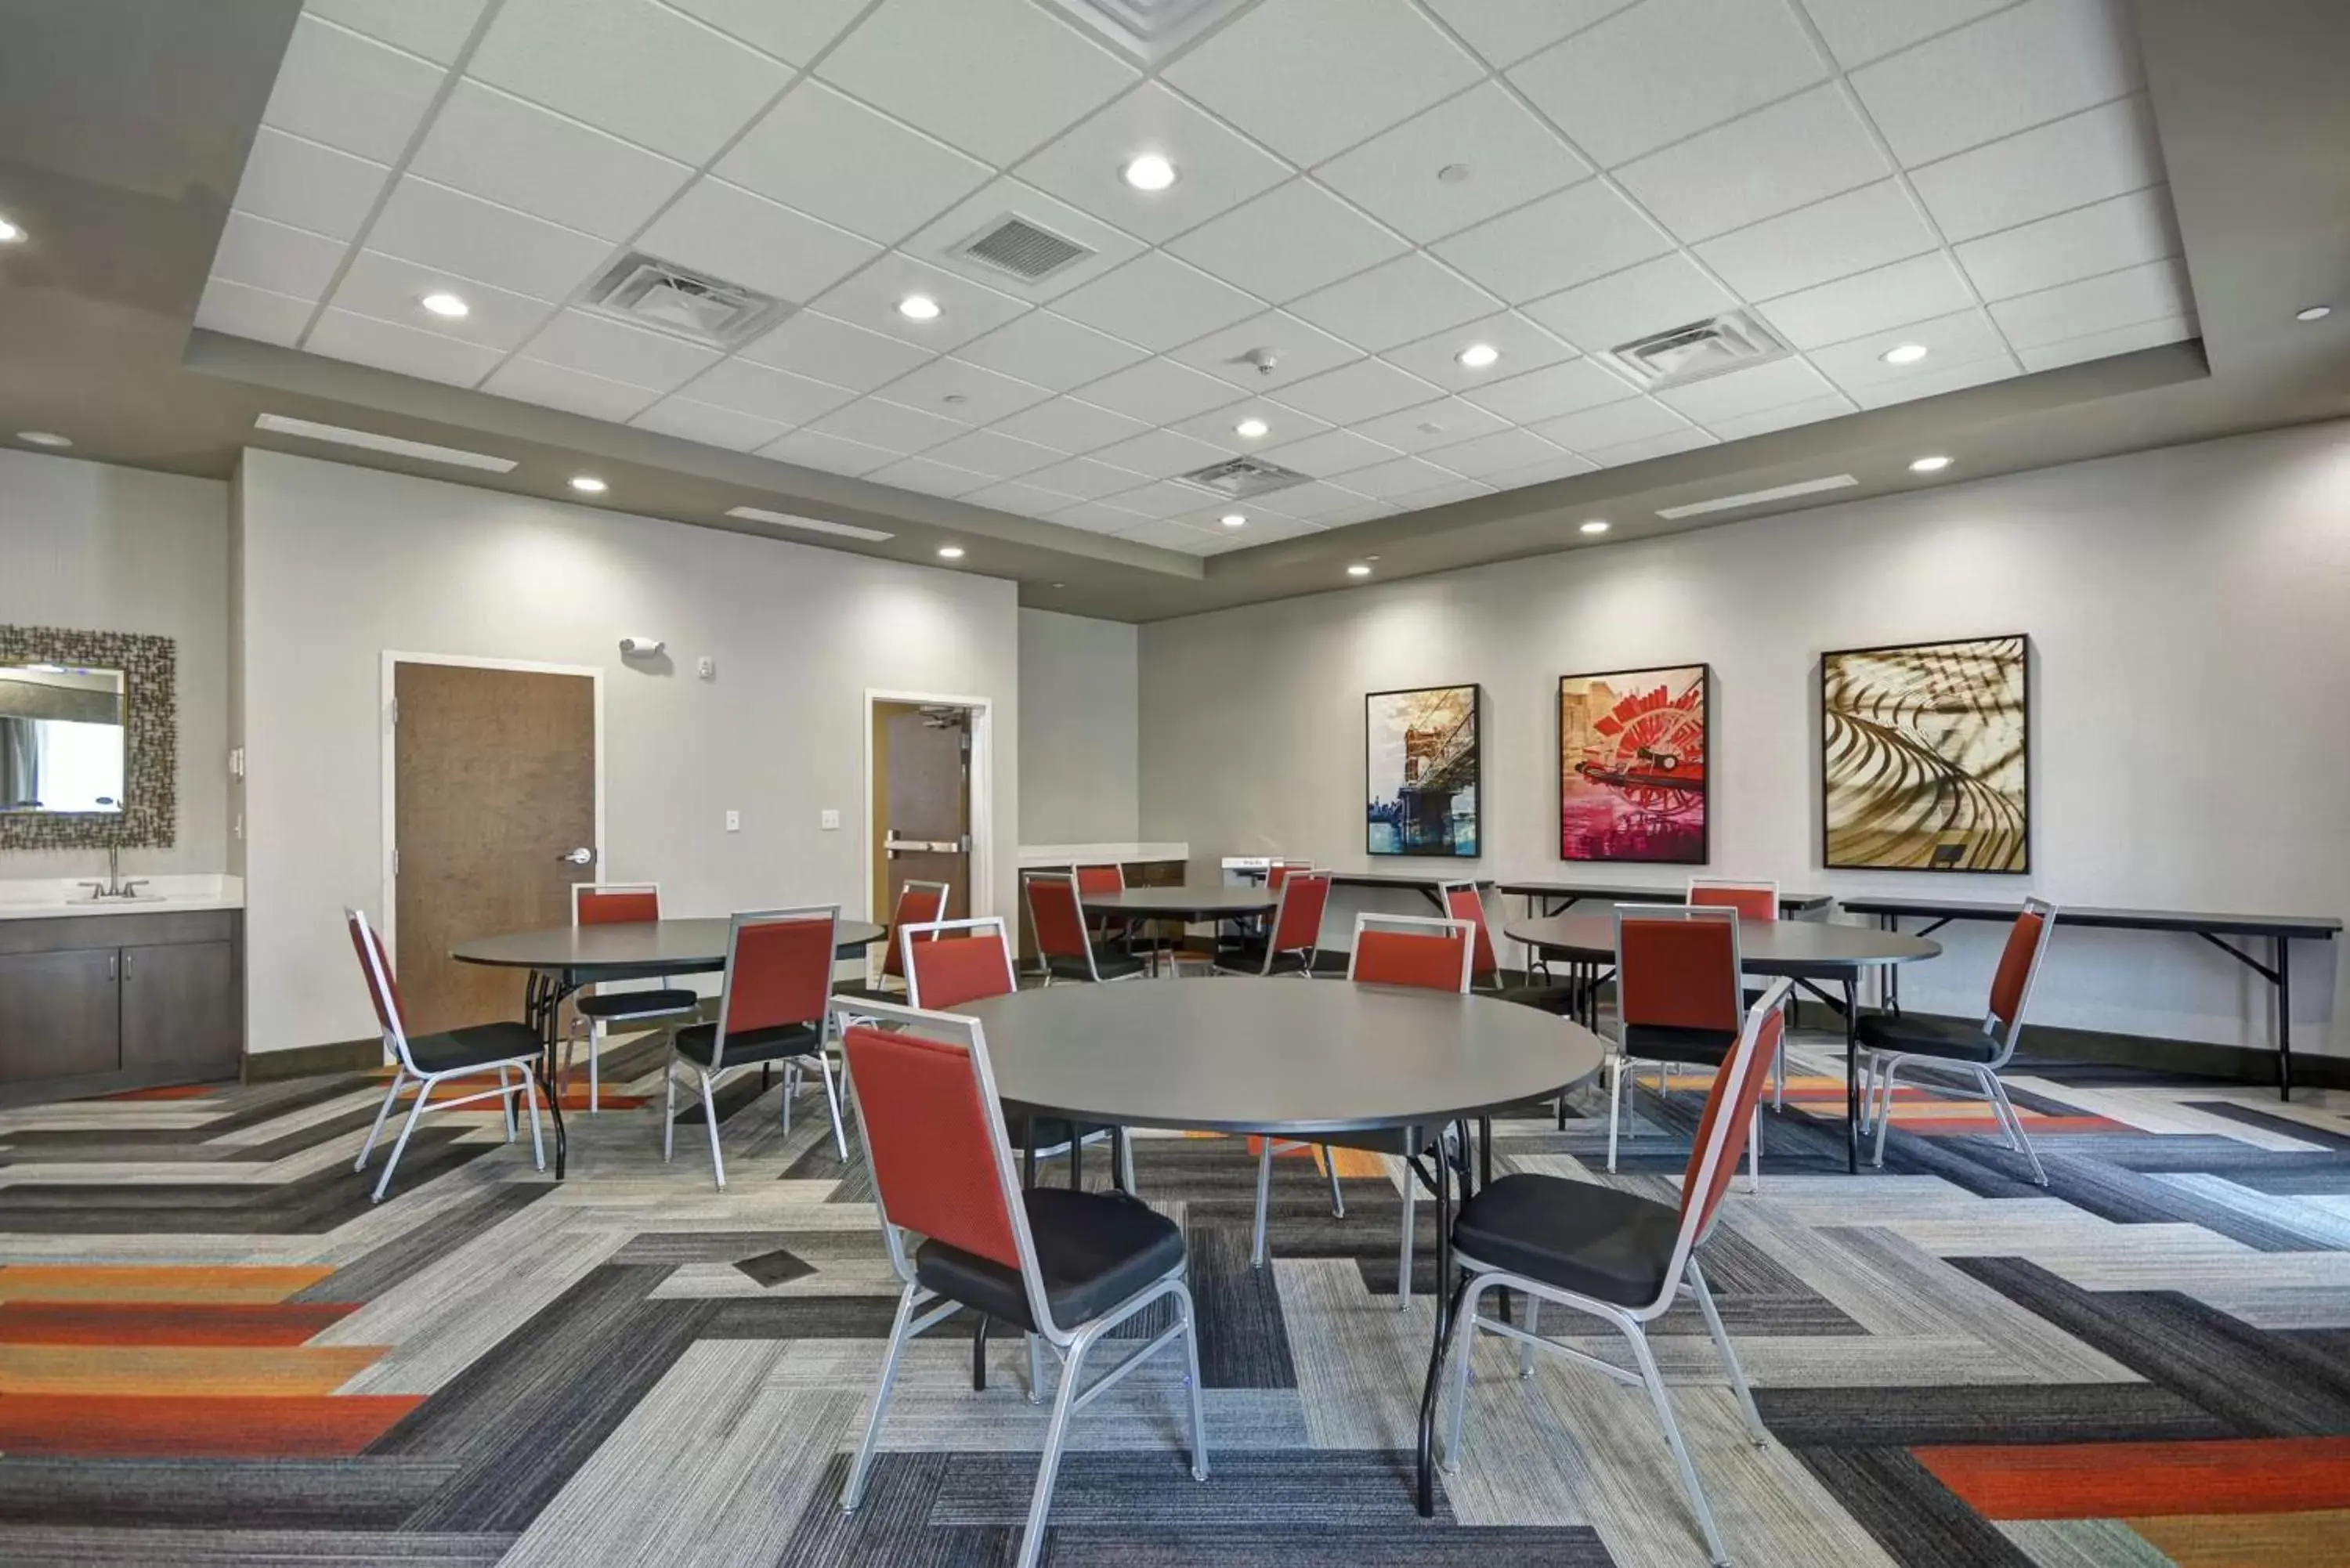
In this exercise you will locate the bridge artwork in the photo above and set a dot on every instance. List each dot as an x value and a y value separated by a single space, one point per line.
1420 772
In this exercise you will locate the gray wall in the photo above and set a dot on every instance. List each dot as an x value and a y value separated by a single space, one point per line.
1079 729
2189 612
97 549
341 564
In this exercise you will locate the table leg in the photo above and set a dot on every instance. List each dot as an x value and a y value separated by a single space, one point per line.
542 1008
1027 1151
2284 951
1448 1305
979 1355
1851 1077
1077 1160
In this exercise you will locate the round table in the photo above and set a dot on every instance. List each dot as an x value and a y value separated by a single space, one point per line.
562 958
1805 951
1287 1058
1192 901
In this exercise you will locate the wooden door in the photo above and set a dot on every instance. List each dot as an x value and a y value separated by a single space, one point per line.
58 1015
922 789
494 776
179 1009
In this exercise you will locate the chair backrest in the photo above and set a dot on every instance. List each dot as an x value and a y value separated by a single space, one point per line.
614 903
1753 900
951 962
1058 916
919 903
1420 950
1277 873
1729 1120
1463 901
1102 877
1676 967
778 971
2019 966
383 990
1298 917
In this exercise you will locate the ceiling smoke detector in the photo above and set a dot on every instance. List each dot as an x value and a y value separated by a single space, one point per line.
1714 347
1241 478
1019 248
645 291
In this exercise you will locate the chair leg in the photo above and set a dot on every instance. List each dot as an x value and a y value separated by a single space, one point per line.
1048 1466
398 1076
710 1118
1463 1352
1126 1157
1715 1551
1886 1067
1410 1234
1705 1306
2014 1125
1035 1372
668 1114
1533 1325
832 1103
853 1491
505 1102
530 1093
1191 1386
1754 1151
1614 1104
791 1087
423 1088
1337 1198
1779 1074
1263 1197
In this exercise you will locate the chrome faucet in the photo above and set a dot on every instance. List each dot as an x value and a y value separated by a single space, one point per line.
114 887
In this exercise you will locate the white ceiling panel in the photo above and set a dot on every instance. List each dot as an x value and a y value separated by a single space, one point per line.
1860 31
1934 383
494 145
1315 502
437 29
1168 535
1363 511
1399 477
1219 428
2105 236
1268 528
1084 478
350 92
940 240
709 424
1502 156
259 254
1796 152
1394 302
1362 391
1522 345
1862 229
1652 447
766 393
390 288
794 32
438 227
1959 338
2105 153
967 394
725 230
1158 302
1096 518
1021 499
2026 66
1052 351
1217 168
1547 393
1065 424
1650 297
1291 240
1787 416
966 309
1443 495
1299 350
1565 465
831 453
1612 424
1423 427
362 339
997 78
1556 242
997 456
1160 454
808 343
256 313
2153 292
1504 451
1507 31
1666 69
832 158
1312 77
1160 498
931 478
290 180
1748 391
575 391
576 340
2116 341
1160 392
633 67
879 423
1331 452
1916 290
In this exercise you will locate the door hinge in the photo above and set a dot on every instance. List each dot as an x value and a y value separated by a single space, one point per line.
966 844
395 862
391 713
966 740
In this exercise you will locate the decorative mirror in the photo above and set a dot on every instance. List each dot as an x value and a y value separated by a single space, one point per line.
88 740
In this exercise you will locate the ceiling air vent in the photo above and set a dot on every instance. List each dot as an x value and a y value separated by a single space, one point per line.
1242 478
1029 252
645 291
1149 30
1691 353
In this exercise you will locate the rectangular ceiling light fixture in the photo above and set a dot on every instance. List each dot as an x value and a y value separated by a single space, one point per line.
1756 497
813 524
310 430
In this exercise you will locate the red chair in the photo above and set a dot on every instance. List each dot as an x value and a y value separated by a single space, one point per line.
1617 1255
778 986
1065 945
1463 902
919 903
1679 997
1753 901
1070 1268
1891 1041
615 904
1294 940
430 1060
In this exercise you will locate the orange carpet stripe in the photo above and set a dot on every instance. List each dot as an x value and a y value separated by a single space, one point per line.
2123 1480
155 1281
166 1323
202 1370
142 1426
167 1091
2232 1540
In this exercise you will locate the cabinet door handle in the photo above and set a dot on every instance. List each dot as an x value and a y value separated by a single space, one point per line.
125 966
114 966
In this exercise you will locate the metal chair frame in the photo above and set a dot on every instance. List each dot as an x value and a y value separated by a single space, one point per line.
1028 881
1306 956
596 1024
1756 885
1622 1062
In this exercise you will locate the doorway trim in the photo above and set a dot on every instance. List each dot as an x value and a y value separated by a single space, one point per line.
982 899
388 741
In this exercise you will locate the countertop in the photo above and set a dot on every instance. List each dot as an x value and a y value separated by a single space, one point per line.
56 898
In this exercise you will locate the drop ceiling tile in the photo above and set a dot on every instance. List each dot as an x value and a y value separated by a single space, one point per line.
1565 465
1653 447
2124 298
1556 242
1918 289
920 474
1666 69
1052 351
1299 350
492 144
2026 66
390 289
1160 454
964 393
1362 391
1160 392
638 70
1748 391
1503 452
1798 150
290 180
1398 477
1860 31
726 230
708 423
1507 31
1005 198
1523 347
257 313
1095 517
996 76
1158 302
1836 238
879 422
828 156
1442 423
577 340
1633 303
2115 340
1218 169
1506 156
832 454
261 255
1160 498
794 32
1317 502
2107 236
1327 455
966 309
1553 391
342 335
765 392
1363 511
1171 535
808 343
1266 528
1444 494
2108 151
350 92
438 227
1221 428
1310 78
996 455
437 29
1934 383
1611 424
1787 416
574 392
1290 241
1021 500
1083 479
1960 338
1065 424
1402 300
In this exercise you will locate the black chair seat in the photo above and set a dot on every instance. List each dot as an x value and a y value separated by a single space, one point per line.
1557 999
1599 1241
636 1003
1095 1249
1052 1132
1658 1043
1247 956
475 1046
697 1042
1109 964
1952 1039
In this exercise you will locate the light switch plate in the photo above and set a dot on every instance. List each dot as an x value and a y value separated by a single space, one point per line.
831 820
734 822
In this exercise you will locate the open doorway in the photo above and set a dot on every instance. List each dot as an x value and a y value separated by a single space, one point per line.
927 762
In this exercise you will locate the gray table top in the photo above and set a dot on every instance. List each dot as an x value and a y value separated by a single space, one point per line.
651 947
1197 899
1280 1055
1800 948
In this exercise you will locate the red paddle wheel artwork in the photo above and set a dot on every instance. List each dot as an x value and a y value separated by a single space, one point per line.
1632 765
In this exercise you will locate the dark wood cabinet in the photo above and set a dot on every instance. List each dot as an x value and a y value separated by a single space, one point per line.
179 1008
58 1017
92 1003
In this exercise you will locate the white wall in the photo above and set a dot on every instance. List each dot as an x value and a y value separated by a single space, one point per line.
340 563
95 548
1080 729
2189 612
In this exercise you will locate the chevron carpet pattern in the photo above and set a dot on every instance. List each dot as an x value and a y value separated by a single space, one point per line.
213 1350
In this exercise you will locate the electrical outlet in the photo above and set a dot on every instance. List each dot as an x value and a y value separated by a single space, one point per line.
831 820
706 666
734 822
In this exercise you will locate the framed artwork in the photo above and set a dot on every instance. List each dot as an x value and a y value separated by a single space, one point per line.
1420 772
1926 759
1632 765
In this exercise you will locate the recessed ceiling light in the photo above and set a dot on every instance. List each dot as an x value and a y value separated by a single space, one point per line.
9 232
1359 570
588 484
1149 173
42 438
1596 525
445 303
1929 465
1478 356
918 307
1904 354
1249 430
951 552
2313 312
1235 520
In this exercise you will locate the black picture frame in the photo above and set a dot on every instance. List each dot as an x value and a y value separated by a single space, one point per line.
1477 754
1946 860
1704 856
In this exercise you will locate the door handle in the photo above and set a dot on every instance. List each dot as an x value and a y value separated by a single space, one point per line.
924 845
580 856
125 966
